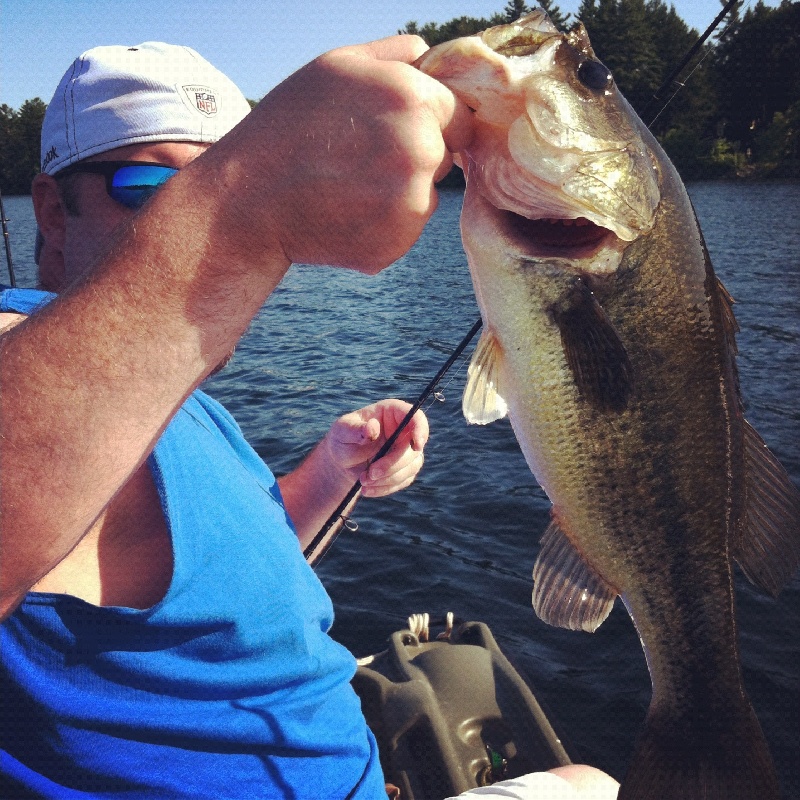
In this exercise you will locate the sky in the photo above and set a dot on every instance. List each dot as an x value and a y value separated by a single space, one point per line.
257 43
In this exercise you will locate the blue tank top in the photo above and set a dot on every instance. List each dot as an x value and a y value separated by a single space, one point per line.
229 687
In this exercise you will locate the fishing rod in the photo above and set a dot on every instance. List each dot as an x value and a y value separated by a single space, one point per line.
9 261
322 542
690 53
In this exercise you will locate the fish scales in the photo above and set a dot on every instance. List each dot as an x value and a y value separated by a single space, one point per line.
609 343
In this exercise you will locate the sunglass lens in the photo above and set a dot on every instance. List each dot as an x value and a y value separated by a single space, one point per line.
134 185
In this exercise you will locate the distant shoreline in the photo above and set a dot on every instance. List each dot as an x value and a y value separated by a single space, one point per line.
455 178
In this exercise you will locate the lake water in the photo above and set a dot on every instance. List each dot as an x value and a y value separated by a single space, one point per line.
464 537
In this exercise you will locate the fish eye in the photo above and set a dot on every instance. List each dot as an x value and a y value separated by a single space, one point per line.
594 75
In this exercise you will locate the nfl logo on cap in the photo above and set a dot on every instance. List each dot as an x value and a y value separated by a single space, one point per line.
203 98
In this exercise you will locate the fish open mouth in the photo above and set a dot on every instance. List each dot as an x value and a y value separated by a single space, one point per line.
547 235
566 236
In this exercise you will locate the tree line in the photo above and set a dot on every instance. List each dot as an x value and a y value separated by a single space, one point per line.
733 111
20 134
737 113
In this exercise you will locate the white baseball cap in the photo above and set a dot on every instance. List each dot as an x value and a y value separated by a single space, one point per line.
152 92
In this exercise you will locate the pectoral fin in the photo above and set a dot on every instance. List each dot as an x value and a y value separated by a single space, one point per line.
567 592
482 402
768 549
596 356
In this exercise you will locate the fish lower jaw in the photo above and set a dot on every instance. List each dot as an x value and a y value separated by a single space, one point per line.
579 241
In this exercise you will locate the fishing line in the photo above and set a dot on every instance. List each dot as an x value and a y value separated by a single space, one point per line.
438 395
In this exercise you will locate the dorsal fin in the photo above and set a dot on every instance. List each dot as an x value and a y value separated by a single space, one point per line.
567 592
729 323
482 402
768 547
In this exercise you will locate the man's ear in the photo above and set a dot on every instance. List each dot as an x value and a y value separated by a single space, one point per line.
49 210
51 218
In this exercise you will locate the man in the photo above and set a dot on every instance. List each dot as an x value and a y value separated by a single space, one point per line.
163 635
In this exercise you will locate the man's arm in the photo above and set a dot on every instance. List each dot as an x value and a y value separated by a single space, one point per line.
88 384
335 166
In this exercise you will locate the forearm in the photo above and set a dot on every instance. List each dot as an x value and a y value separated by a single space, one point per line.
88 384
312 492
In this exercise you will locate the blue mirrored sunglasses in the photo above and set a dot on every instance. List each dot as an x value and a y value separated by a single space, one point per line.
131 183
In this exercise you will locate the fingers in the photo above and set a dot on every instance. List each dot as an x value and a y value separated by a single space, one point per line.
356 438
356 429
383 419
453 115
400 466
416 432
367 431
384 478
403 47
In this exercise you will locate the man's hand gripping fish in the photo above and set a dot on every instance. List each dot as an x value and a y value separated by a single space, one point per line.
609 342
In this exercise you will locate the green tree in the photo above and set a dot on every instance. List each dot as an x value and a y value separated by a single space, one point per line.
689 102
20 135
514 10
757 71
518 8
435 33
778 144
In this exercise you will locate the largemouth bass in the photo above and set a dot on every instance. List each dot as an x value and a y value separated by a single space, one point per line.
610 344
